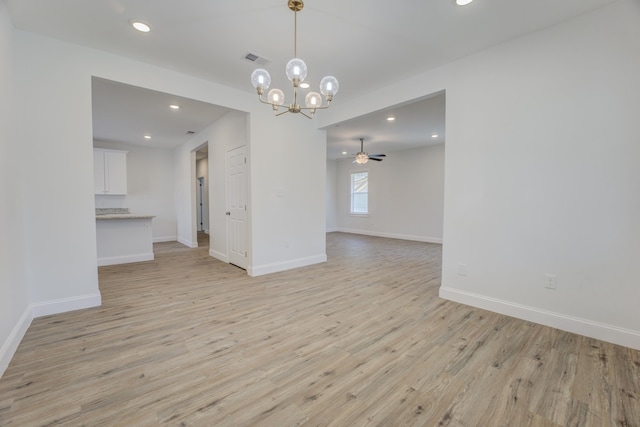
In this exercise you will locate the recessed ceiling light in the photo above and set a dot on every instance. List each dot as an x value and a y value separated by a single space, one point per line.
390 119
435 135
141 26
147 137
304 85
344 153
174 107
463 2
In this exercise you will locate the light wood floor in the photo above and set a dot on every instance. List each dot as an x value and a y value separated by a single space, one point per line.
362 340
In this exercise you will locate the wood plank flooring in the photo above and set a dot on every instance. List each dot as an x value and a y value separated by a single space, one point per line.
362 340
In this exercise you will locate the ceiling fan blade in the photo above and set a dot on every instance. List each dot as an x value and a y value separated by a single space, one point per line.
377 155
377 160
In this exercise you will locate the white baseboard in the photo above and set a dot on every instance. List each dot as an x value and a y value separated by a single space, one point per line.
219 255
331 229
163 239
40 309
613 334
10 346
125 259
45 308
283 266
425 239
188 243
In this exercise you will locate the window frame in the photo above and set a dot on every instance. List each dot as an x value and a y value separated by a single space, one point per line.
351 193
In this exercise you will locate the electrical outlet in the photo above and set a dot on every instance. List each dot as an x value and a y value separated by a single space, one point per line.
462 269
550 281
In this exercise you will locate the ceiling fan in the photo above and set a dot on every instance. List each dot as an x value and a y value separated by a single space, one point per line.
362 157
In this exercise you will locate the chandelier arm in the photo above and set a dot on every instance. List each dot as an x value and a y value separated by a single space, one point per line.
276 107
320 107
260 93
269 103
281 112
305 114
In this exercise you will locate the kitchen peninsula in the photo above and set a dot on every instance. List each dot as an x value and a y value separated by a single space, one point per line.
123 237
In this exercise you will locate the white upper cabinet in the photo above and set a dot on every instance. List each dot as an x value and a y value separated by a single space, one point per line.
109 172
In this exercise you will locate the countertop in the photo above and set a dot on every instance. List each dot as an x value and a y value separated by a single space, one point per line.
118 213
123 216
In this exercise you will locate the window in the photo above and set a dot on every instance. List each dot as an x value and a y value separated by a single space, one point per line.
360 193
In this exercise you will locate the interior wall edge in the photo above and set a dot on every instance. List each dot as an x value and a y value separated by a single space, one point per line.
126 259
10 346
219 255
425 239
588 328
62 305
163 239
188 243
276 267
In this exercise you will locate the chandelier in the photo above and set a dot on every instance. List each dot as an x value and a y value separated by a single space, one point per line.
296 71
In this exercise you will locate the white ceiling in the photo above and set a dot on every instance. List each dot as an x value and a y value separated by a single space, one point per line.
124 113
414 126
366 44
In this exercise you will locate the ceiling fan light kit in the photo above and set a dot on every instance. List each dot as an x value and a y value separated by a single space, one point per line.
361 157
296 71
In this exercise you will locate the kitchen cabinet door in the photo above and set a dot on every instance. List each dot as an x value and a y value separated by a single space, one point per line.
110 172
98 172
115 172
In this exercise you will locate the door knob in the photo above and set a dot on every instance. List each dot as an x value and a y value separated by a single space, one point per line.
227 213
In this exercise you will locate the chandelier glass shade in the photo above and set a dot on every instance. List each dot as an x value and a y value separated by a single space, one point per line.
296 71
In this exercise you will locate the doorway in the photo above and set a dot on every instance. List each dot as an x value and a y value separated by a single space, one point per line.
415 159
199 203
202 195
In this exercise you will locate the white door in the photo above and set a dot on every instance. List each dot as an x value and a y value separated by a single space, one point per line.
237 206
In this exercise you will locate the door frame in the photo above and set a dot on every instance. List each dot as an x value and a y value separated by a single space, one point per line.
200 203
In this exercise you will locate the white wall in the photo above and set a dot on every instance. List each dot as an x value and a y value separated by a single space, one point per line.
331 197
286 196
54 117
541 173
202 171
57 140
406 195
227 132
150 187
288 180
15 314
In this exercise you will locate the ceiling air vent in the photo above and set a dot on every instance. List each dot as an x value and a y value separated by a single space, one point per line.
254 57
